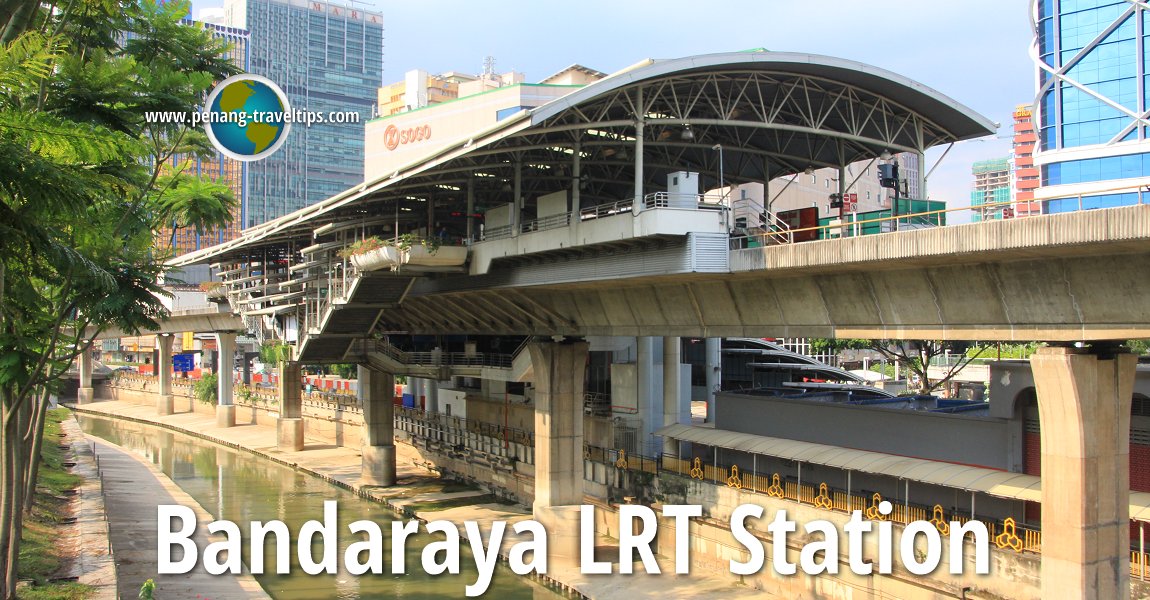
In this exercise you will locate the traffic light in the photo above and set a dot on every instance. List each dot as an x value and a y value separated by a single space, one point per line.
888 175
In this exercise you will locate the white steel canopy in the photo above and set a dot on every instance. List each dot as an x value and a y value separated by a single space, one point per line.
773 113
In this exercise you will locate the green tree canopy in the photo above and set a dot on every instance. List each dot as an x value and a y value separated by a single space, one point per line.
85 181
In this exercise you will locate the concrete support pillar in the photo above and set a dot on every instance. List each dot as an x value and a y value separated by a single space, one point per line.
289 427
85 394
637 207
471 208
672 391
560 370
650 400
225 371
767 188
921 173
432 387
1084 399
517 202
714 367
165 402
415 384
247 367
576 188
376 395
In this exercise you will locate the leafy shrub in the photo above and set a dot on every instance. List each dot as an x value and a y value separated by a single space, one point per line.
207 389
274 353
363 246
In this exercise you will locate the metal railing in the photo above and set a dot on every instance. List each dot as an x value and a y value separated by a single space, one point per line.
621 459
545 223
1140 565
457 430
1004 534
777 226
443 359
606 210
497 233
597 404
917 220
669 200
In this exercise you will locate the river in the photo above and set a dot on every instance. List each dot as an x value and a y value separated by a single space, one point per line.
241 487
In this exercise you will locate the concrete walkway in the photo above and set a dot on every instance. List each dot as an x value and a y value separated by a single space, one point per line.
417 484
133 488
94 564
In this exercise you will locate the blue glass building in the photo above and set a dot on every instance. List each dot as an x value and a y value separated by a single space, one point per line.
1093 59
327 58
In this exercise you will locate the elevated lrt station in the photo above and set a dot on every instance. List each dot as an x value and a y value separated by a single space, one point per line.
601 222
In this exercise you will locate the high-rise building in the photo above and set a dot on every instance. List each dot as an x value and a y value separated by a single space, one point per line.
418 89
1093 150
327 58
1024 176
424 122
218 167
991 189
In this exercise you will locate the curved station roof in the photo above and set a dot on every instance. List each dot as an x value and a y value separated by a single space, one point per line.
772 113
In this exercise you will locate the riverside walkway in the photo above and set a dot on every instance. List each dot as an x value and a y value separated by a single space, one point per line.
132 489
417 485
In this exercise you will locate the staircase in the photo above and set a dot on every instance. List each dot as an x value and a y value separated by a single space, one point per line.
382 355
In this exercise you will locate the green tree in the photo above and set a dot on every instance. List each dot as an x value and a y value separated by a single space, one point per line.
84 182
1138 347
913 356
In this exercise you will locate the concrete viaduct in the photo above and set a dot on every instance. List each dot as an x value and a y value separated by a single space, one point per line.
585 235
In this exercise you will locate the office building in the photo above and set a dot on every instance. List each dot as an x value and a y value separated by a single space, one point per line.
327 58
217 166
991 192
419 89
426 118
1024 175
1092 137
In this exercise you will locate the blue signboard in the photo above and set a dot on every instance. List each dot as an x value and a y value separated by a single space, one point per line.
183 362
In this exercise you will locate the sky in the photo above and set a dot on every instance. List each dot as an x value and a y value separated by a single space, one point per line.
974 51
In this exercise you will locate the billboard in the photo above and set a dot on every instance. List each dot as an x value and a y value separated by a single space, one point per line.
805 219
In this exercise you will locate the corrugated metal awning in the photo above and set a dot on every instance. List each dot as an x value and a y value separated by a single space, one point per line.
1001 484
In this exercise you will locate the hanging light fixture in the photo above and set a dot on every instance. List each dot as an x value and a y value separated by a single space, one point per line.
687 134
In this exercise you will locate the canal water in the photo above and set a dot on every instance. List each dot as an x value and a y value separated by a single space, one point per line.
241 487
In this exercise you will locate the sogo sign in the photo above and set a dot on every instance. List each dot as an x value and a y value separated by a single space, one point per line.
394 136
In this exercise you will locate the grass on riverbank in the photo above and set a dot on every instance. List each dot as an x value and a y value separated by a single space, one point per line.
40 557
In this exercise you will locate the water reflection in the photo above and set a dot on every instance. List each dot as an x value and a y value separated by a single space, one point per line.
242 488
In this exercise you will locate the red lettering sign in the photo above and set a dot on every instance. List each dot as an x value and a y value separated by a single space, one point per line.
394 136
335 11
374 19
355 15
316 6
